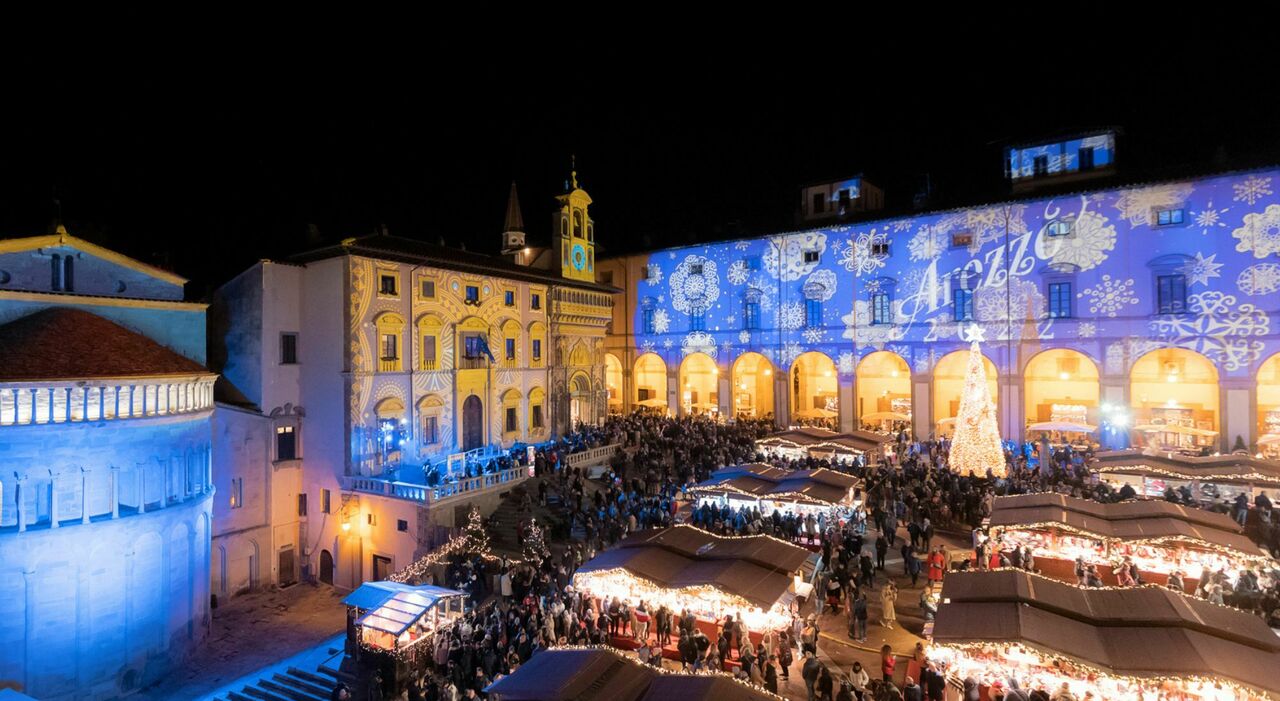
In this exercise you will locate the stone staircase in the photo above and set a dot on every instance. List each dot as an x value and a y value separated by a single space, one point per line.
295 685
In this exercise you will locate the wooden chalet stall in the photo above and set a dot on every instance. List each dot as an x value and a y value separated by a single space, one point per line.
1119 644
711 576
1212 479
392 617
1159 536
806 441
767 488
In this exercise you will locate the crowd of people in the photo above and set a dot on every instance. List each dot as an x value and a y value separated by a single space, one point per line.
906 498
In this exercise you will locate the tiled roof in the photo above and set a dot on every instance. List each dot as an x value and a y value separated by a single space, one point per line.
64 343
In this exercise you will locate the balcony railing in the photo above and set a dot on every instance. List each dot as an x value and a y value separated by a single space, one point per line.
388 365
102 400
430 365
469 362
464 488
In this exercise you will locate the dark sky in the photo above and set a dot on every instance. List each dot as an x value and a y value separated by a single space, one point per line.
204 165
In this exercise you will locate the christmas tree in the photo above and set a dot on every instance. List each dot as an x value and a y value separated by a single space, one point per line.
474 535
975 448
534 543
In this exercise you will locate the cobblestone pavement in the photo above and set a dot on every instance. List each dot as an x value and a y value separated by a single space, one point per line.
251 632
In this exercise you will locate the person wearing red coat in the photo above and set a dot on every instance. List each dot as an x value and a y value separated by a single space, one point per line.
937 565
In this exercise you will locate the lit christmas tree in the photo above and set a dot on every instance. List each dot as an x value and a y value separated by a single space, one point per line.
975 448
474 534
534 543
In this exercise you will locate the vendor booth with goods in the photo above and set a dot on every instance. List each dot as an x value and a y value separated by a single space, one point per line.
769 489
1010 626
1158 537
391 617
807 441
1209 480
710 576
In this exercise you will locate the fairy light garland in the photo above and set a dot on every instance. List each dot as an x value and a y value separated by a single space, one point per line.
534 542
670 672
703 600
990 662
473 540
1173 474
1115 587
975 445
1157 541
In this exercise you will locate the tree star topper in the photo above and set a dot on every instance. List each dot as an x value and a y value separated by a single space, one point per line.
975 333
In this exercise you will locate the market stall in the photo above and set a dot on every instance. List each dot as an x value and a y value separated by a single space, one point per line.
1118 644
769 489
1212 479
808 441
1159 537
711 576
392 617
577 673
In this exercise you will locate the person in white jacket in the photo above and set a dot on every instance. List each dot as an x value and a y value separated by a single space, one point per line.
859 679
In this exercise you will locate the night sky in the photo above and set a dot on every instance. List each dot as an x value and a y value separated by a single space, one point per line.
204 166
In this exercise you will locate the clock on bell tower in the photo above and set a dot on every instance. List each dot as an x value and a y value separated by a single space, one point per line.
577 233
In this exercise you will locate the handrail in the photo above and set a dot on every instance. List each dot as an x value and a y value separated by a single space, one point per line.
592 456
422 494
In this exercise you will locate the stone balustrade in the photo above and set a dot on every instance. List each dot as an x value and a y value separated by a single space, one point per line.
70 401
593 456
464 488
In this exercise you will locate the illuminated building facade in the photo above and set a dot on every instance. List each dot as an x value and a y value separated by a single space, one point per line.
1146 311
389 357
105 455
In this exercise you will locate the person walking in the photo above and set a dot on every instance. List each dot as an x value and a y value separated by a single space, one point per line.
887 663
860 618
809 672
826 685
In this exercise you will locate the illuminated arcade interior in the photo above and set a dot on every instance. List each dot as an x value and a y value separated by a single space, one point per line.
1061 386
814 389
948 383
752 385
651 381
613 382
884 390
699 393
1174 396
1269 397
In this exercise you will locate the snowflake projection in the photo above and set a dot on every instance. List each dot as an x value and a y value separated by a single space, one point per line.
902 225
1260 279
744 337
1003 309
737 272
662 299
928 243
791 315
1122 353
923 363
661 321
1252 189
1209 218
902 351
986 224
672 255
1109 296
726 348
814 335
1087 329
654 277
1136 205
784 256
856 254
742 245
821 285
647 346
731 320
1200 269
1087 246
1218 328
695 284
789 352
667 343
845 363
859 329
1260 233
768 290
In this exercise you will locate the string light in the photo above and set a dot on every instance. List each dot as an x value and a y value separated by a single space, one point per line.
1190 477
473 540
704 672
705 601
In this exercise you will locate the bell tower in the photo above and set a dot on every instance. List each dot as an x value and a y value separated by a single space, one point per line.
577 233
513 240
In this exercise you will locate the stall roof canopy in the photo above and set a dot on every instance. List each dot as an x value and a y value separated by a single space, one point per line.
761 480
392 607
1112 629
1236 469
1126 521
758 568
574 674
810 437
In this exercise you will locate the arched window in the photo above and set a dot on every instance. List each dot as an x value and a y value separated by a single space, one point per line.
389 327
430 331
537 402
511 414
577 223
430 410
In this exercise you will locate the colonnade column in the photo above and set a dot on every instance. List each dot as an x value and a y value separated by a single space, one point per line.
1239 413
922 404
845 391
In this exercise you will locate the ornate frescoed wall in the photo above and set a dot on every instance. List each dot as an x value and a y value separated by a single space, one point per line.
1081 271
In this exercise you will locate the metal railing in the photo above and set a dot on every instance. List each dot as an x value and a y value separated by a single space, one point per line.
478 362
427 496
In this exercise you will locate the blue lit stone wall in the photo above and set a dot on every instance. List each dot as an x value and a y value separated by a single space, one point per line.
31 270
94 610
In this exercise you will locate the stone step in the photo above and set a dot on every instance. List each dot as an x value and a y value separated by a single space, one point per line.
312 678
236 696
289 692
302 684
263 694
338 675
